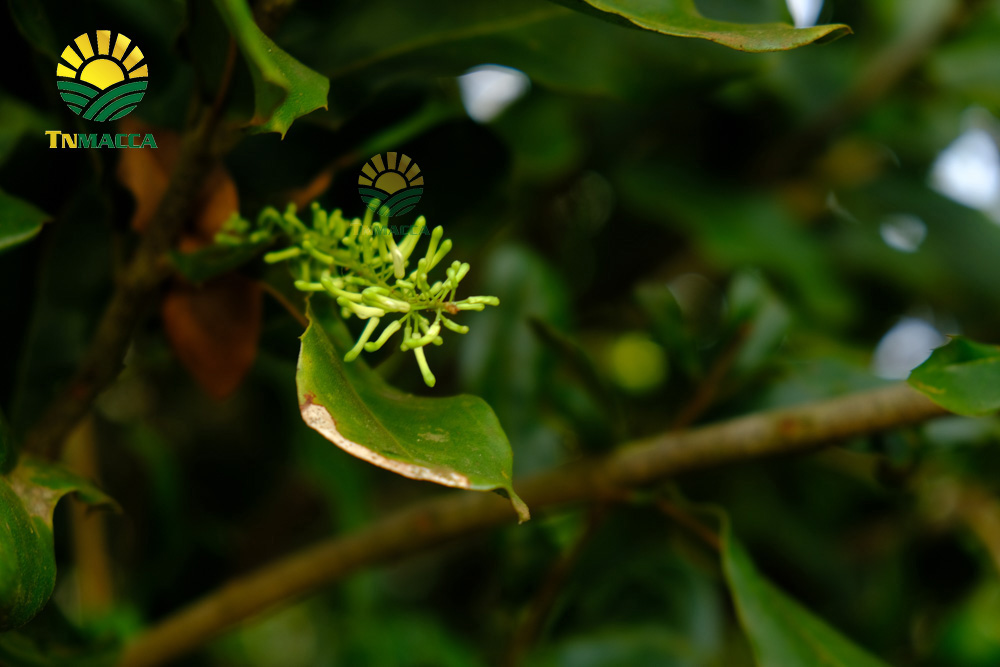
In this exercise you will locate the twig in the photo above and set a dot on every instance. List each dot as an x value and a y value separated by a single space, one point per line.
283 301
135 290
531 628
215 112
708 389
139 282
693 525
432 522
137 285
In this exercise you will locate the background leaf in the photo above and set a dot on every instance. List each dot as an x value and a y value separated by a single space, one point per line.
28 497
31 21
962 376
284 88
213 329
19 221
52 639
455 441
681 18
782 632
642 188
501 357
744 229
6 444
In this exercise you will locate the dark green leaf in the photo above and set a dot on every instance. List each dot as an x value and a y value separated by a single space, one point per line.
28 497
962 376
636 647
31 21
741 230
455 441
52 639
16 649
284 88
19 221
6 443
782 632
20 120
582 367
681 18
503 360
406 28
970 636
420 40
754 305
956 273
668 328
72 289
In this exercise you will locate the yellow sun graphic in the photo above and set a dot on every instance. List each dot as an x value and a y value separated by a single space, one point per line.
391 186
105 83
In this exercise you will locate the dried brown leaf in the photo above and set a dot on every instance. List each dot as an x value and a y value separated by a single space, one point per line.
214 328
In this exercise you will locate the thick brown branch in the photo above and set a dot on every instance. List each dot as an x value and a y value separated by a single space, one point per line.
432 522
133 293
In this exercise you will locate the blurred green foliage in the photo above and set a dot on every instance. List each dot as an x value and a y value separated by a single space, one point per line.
678 233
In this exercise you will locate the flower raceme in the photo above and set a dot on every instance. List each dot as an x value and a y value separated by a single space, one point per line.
358 263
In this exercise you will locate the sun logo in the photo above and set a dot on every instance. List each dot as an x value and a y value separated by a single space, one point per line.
390 187
105 84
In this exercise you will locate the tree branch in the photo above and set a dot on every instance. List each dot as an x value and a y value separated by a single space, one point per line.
432 522
133 292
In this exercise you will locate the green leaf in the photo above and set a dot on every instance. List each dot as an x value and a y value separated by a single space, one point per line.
284 88
408 28
962 376
635 646
28 497
504 361
20 121
681 18
782 632
744 229
6 443
422 40
19 221
668 328
52 639
455 441
34 25
603 411
753 304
